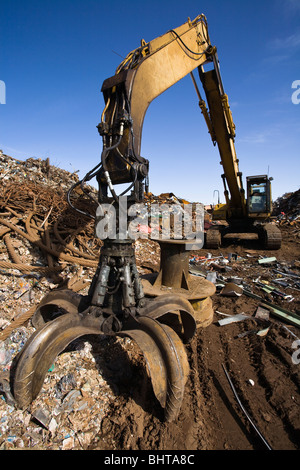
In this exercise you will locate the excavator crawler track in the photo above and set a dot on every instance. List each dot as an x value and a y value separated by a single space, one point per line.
213 238
271 237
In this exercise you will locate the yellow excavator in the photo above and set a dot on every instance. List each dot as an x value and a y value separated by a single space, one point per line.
149 71
162 316
243 215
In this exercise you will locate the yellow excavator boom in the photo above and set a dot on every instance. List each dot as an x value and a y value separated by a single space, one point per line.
146 73
142 76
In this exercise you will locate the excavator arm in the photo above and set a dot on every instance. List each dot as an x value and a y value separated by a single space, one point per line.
142 76
145 73
222 130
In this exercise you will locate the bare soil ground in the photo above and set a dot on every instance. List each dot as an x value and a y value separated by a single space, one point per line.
261 368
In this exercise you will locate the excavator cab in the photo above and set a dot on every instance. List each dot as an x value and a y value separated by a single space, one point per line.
259 202
258 211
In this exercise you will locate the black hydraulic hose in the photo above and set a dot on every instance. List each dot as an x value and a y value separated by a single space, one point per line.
92 173
70 203
244 411
183 43
104 156
87 177
135 173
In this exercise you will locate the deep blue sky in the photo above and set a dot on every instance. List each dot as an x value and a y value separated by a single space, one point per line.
55 54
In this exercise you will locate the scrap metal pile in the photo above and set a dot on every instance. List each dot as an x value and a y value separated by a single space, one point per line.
287 209
46 245
43 245
40 236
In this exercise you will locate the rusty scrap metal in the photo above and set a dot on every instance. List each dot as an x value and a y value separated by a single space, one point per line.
23 218
36 240
75 285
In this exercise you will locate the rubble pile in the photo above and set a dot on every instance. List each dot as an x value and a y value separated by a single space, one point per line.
44 245
43 242
287 208
35 185
167 209
165 198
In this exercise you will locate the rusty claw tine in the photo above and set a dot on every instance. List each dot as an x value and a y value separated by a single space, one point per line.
168 303
166 360
66 300
41 350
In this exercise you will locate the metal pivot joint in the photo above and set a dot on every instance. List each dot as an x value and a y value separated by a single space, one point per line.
116 288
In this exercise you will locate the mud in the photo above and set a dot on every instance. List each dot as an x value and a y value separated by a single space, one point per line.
262 369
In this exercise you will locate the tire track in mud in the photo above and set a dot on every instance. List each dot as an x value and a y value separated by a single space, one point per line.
224 427
210 418
272 400
188 431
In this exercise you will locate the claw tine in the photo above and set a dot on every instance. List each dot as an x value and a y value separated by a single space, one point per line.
63 299
165 304
166 360
41 350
